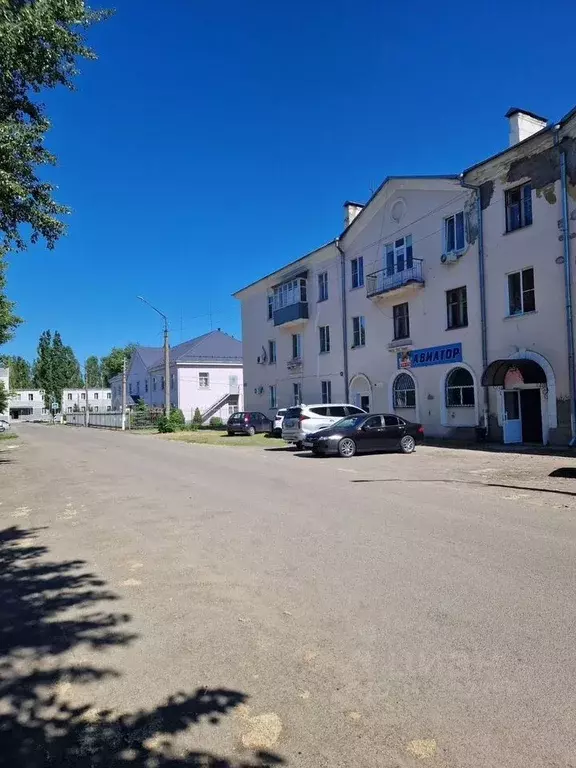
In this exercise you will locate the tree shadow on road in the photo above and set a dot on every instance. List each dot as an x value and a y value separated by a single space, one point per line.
47 610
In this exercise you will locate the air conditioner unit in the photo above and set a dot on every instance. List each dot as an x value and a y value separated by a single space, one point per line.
450 258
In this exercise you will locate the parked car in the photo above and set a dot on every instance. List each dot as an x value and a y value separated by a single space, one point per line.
362 434
248 423
302 420
4 425
279 420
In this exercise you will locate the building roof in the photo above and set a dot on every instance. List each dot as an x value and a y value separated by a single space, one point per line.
149 355
213 347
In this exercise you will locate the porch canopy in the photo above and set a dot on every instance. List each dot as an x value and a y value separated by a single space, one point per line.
495 373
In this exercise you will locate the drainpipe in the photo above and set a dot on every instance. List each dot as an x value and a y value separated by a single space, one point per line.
344 318
482 281
567 285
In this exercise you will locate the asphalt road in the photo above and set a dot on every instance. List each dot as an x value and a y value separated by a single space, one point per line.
204 606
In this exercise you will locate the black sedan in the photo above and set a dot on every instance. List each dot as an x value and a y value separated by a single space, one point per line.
366 433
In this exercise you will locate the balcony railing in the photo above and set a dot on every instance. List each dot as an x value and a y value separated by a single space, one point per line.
294 364
291 313
385 280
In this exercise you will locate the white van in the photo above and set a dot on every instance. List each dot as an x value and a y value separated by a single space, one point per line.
302 420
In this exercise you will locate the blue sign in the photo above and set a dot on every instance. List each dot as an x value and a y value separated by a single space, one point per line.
422 358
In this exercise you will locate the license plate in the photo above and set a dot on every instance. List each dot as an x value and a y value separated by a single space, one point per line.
289 423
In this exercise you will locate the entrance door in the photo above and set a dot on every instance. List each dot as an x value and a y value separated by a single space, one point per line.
512 417
531 413
364 403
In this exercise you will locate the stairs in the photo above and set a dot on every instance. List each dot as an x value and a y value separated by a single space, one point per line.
226 399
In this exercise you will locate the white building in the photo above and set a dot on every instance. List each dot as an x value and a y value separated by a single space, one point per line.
443 300
205 373
28 405
99 400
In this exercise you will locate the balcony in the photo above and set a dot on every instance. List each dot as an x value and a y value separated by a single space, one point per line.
291 314
294 364
387 280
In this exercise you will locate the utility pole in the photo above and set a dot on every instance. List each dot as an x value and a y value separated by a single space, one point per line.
124 394
86 412
166 357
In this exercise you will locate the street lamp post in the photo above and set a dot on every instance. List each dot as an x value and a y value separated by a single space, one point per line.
166 357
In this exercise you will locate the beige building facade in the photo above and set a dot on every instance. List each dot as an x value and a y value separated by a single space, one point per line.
446 300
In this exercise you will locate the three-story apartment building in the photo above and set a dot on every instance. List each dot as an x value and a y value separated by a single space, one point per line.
445 299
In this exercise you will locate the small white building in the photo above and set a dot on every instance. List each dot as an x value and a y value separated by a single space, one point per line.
205 373
28 405
98 399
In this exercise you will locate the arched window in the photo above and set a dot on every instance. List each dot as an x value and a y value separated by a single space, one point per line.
459 388
404 391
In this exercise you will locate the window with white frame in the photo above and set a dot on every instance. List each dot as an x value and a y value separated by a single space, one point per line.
296 393
146 385
83 395
171 381
232 409
154 383
521 293
324 331
459 388
69 396
137 388
31 396
109 394
69 409
162 383
290 292
326 391
518 203
322 286
357 272
404 391
270 300
358 331
272 351
454 233
108 407
96 393
296 346
399 255
457 308
95 409
204 380
272 396
401 318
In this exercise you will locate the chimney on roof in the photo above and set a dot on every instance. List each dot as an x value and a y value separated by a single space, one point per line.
523 124
351 210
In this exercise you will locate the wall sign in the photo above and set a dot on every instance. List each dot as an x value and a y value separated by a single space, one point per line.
422 358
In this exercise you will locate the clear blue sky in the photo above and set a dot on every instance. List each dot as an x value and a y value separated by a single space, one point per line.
215 141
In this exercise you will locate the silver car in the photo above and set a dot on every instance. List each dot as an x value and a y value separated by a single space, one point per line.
4 425
302 420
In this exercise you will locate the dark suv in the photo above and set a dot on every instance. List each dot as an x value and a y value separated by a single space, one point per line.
248 423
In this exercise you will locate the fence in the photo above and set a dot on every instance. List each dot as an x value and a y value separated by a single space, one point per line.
113 420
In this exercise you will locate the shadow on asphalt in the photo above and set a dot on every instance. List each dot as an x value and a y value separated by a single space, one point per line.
467 482
569 472
48 609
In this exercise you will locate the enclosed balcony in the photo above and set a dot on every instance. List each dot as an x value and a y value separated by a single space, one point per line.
290 302
395 277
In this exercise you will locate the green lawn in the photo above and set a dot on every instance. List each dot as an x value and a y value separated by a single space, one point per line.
214 437
7 436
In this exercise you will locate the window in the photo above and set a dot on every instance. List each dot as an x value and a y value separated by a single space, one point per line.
374 422
154 383
358 331
109 394
45 411
83 409
232 409
319 411
162 382
457 308
203 380
83 395
404 391
96 393
272 396
326 391
454 233
401 317
137 389
108 407
324 338
392 421
521 296
18 396
171 381
145 385
296 346
518 207
270 306
322 286
290 292
95 409
296 393
399 255
271 351
337 411
130 388
69 409
354 411
459 388
69 396
31 396
357 266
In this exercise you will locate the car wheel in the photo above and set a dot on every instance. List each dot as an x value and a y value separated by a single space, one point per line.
251 431
299 445
230 433
346 448
407 444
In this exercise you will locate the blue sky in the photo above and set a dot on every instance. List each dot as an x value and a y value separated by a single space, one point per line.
215 141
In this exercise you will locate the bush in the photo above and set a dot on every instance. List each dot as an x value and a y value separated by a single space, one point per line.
197 418
177 419
216 421
164 425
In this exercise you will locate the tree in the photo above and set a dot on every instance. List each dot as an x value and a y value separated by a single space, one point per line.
20 371
3 398
40 43
56 368
93 372
111 364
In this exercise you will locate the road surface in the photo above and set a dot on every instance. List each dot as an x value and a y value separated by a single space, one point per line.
209 606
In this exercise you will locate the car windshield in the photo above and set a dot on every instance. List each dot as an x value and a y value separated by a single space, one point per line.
239 416
349 421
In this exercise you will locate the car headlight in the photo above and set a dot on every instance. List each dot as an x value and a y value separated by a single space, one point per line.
328 437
